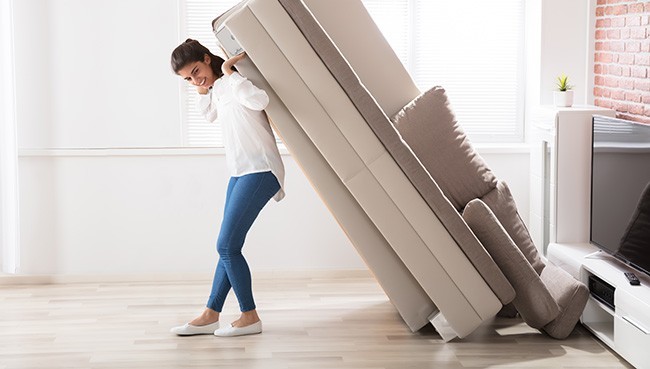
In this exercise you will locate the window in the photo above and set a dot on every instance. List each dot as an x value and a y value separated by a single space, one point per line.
198 16
474 49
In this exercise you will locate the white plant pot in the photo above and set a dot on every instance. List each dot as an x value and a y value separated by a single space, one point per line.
563 98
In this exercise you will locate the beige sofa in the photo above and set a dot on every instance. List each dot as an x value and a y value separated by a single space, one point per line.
438 230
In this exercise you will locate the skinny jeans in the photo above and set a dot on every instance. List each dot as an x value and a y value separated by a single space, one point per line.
245 198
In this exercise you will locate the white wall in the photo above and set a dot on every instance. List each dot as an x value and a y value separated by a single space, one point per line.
156 211
159 212
92 81
8 153
564 47
94 73
558 39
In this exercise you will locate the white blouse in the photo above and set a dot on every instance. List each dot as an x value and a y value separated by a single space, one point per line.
236 104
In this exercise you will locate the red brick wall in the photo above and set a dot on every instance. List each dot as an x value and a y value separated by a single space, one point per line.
622 58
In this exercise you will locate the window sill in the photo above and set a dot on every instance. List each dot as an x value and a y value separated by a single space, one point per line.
482 148
502 148
131 151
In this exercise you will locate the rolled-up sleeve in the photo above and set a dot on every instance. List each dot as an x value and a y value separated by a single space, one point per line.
206 107
248 94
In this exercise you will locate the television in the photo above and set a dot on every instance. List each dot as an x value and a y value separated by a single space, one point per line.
620 190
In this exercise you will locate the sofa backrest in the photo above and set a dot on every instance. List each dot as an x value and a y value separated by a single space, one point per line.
429 126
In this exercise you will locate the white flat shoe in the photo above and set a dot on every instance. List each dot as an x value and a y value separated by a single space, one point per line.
191 330
231 331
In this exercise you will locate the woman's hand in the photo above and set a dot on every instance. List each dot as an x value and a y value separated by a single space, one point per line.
226 67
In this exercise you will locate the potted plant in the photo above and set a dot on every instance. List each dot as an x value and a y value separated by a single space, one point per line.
564 94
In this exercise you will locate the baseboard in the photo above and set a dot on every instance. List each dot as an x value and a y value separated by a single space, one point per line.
32 279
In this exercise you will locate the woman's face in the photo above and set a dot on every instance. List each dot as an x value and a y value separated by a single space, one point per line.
199 73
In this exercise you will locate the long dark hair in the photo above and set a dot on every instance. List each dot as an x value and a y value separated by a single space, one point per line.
192 51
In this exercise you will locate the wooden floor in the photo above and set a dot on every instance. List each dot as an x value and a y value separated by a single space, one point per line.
309 323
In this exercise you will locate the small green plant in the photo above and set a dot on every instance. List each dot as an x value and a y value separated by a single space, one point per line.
563 83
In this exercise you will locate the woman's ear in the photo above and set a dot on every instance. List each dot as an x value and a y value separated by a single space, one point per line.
207 59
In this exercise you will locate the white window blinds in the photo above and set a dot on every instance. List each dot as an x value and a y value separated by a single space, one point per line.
198 16
473 48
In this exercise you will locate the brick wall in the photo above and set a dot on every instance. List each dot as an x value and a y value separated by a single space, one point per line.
622 58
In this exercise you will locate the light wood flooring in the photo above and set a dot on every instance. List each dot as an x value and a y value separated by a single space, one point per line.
326 322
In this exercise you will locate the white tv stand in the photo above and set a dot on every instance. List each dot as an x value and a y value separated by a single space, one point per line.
559 217
626 328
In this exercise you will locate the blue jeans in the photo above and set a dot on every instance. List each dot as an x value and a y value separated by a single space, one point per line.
245 198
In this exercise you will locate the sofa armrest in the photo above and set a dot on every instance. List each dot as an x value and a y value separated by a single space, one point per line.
571 296
533 300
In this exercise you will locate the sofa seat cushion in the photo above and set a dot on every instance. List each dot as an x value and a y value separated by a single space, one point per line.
532 299
503 205
570 294
430 128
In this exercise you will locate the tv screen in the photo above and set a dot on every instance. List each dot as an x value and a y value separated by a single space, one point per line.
620 190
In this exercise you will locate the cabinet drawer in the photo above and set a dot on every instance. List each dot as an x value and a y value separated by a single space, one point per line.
634 302
632 342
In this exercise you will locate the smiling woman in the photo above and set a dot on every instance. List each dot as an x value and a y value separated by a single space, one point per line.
199 74
196 64
257 175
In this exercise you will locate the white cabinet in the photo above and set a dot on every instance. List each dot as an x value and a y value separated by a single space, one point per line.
631 331
559 224
560 173
624 328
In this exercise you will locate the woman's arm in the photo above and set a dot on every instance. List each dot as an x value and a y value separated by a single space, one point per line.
205 106
245 92
227 65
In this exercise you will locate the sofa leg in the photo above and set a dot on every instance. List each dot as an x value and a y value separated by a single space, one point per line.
442 326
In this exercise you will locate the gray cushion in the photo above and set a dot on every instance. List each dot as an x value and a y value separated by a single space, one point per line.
570 294
533 300
503 205
430 128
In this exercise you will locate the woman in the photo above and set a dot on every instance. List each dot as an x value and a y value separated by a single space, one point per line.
257 175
